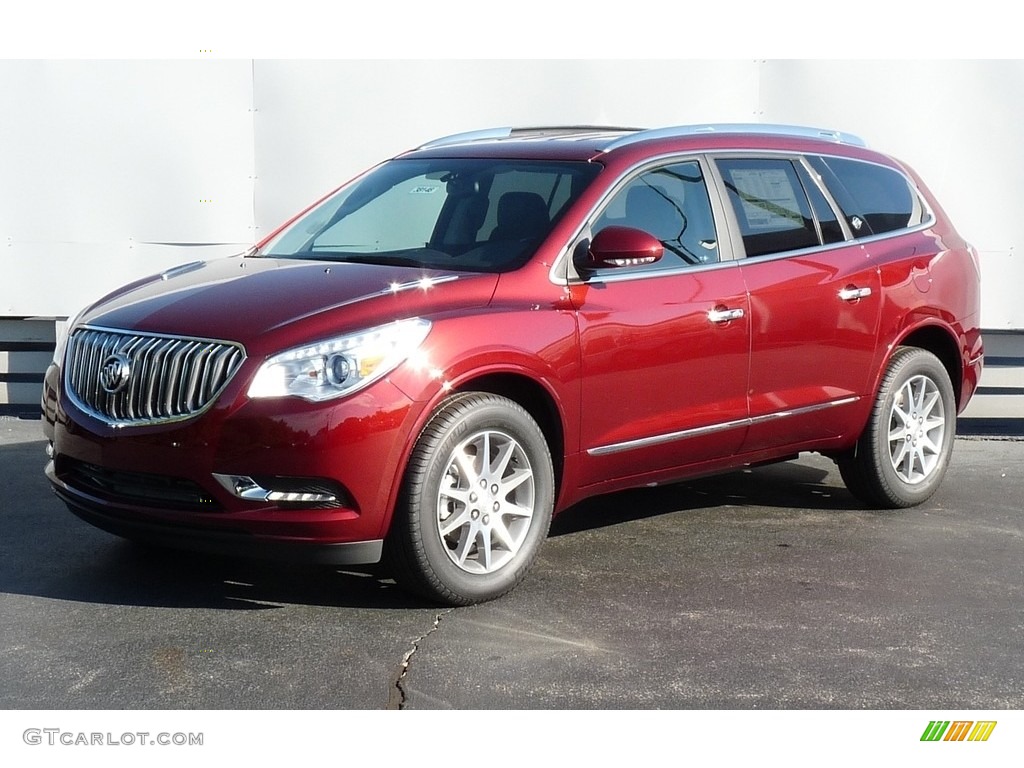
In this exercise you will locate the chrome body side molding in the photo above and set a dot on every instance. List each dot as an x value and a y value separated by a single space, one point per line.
684 434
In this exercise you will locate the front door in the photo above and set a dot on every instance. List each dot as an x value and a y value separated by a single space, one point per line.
665 346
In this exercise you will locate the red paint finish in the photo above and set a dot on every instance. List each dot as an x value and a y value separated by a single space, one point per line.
639 373
809 346
655 365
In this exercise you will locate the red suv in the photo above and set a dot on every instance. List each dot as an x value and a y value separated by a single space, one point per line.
433 359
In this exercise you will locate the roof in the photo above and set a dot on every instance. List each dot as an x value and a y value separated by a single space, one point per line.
585 142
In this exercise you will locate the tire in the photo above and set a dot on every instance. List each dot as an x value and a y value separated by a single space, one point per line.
902 456
464 533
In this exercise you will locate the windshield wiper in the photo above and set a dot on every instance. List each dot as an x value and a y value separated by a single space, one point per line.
382 258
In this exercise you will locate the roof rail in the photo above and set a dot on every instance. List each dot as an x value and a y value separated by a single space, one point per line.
509 132
767 129
461 138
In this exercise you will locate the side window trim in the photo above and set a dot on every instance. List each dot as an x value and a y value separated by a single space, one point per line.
807 175
659 200
849 210
727 252
822 187
737 249
721 196
920 214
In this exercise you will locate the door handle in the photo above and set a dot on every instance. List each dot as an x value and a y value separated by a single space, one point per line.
852 293
724 315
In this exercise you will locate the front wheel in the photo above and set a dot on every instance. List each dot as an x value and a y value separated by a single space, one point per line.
903 453
476 501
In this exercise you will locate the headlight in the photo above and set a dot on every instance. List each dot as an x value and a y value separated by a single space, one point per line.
339 366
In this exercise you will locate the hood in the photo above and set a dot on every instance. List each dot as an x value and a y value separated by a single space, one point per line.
264 303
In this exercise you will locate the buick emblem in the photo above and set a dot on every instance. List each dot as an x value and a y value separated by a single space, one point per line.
114 373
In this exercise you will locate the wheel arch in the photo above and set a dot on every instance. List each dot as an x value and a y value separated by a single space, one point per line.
536 400
517 385
417 550
941 342
899 460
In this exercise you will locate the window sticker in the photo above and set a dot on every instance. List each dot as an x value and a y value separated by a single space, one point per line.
424 189
769 200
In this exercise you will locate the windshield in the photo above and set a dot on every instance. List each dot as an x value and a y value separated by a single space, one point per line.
479 215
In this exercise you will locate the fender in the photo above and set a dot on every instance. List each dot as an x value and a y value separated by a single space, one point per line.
476 365
936 331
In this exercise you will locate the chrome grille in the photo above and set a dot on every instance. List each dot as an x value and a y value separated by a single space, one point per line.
168 378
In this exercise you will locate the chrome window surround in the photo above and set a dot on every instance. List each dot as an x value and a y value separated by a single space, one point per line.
148 400
830 199
927 219
921 206
626 274
733 254
563 262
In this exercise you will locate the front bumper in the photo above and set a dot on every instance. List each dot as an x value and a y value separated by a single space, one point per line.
126 523
165 484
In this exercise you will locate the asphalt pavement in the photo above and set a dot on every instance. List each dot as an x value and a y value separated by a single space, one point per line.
770 588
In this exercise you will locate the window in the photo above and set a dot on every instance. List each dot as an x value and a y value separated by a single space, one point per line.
671 203
770 204
553 189
874 199
373 228
828 225
472 214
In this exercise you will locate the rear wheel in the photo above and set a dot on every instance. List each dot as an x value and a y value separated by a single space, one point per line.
476 502
902 455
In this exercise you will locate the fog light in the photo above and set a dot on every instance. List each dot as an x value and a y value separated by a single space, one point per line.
288 490
293 497
243 487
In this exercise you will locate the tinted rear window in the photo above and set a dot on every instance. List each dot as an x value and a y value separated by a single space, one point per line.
874 199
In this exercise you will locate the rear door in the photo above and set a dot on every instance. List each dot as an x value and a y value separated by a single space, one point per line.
814 302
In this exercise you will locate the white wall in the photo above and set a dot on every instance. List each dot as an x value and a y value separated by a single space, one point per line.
106 167
114 170
956 122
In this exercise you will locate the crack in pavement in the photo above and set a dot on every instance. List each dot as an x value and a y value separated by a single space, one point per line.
396 694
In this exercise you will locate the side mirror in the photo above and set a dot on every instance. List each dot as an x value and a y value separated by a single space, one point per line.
623 247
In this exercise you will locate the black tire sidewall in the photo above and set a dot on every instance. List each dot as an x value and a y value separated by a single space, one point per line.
909 364
454 423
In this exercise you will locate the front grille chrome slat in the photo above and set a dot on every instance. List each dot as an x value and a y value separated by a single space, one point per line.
171 378
195 376
136 386
106 349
